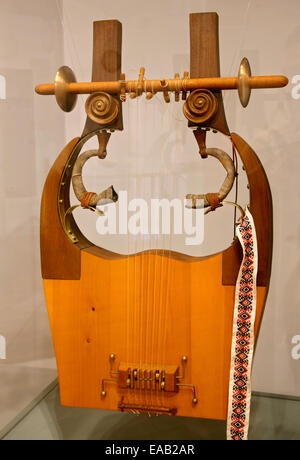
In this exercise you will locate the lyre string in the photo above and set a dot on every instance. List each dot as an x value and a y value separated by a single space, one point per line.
157 277
136 287
140 250
147 271
128 308
142 263
167 252
154 269
164 257
229 95
161 270
236 165
154 275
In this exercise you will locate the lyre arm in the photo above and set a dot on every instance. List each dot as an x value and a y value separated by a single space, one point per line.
183 84
204 200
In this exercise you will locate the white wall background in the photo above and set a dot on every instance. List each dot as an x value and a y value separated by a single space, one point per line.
37 36
31 134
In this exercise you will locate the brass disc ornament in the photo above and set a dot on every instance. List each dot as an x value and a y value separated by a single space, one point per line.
102 108
66 100
244 87
200 106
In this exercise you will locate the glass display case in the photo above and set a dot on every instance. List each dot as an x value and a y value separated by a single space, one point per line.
153 157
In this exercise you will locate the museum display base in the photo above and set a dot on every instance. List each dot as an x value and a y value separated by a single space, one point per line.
272 418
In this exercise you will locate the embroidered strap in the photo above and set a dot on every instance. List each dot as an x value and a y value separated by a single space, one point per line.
243 334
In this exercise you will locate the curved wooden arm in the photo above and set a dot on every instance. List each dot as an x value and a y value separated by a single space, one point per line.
108 195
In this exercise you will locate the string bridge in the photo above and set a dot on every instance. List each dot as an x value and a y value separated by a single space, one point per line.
152 378
158 378
145 408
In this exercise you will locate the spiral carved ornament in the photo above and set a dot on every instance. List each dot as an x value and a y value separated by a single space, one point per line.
200 106
102 108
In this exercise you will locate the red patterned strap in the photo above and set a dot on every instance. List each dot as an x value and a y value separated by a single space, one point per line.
243 334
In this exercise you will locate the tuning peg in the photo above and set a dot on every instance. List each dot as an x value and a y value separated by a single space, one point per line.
177 93
123 87
140 85
165 84
150 93
183 94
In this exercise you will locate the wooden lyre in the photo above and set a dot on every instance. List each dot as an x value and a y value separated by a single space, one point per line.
88 289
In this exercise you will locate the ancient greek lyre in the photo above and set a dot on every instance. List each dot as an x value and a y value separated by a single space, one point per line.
88 289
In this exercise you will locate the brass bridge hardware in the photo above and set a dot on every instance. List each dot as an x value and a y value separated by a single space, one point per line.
183 360
148 378
103 392
112 358
146 409
190 385
145 378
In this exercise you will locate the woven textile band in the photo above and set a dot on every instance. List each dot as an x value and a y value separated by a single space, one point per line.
243 334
